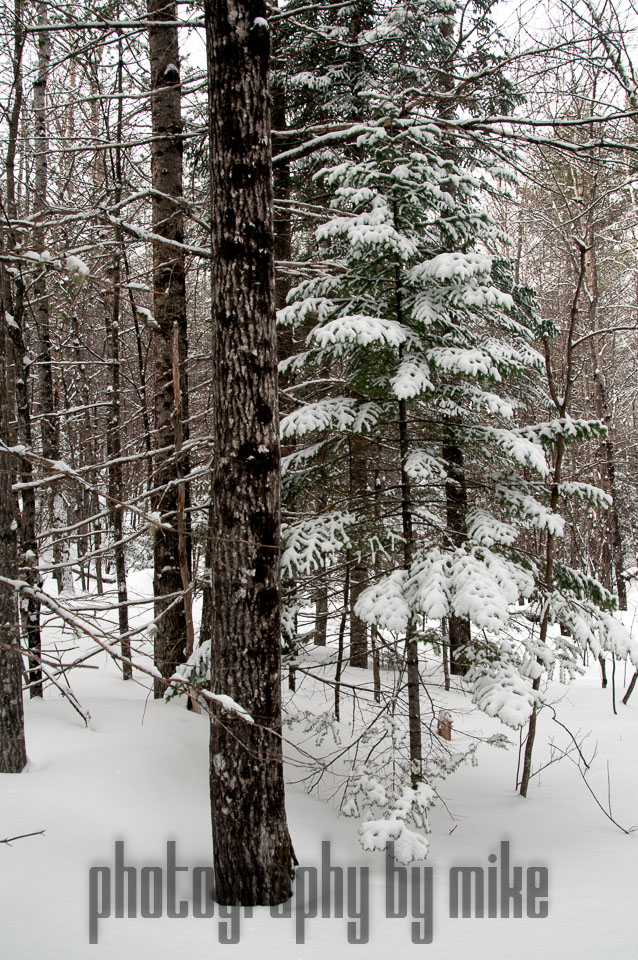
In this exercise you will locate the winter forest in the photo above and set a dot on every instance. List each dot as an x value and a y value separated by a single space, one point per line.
318 477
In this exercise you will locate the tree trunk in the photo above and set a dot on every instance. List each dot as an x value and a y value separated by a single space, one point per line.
630 688
358 570
459 630
252 848
169 297
321 609
13 754
40 297
411 645
113 434
608 446
15 306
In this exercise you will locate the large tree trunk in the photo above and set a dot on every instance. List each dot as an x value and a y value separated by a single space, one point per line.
13 754
252 847
169 297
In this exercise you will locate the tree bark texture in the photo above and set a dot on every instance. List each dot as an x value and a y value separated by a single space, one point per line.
252 848
13 754
15 306
169 299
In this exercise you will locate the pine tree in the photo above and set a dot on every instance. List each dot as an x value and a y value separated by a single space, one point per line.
421 346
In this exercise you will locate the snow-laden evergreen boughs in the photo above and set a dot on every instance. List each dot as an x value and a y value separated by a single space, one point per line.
340 413
500 691
307 544
384 604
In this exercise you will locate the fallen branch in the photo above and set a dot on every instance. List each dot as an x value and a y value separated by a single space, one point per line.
21 836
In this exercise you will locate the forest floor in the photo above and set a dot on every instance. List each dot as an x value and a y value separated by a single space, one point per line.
139 774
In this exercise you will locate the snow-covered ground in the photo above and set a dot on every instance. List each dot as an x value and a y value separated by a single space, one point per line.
139 774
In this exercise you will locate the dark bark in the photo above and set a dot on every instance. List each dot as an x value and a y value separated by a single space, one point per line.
630 688
252 848
321 610
115 480
169 298
13 755
459 630
39 294
15 306
411 644
358 570
340 644
445 648
376 665
113 434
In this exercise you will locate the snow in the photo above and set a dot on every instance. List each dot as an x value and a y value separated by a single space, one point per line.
147 318
384 603
76 267
338 413
471 361
420 465
307 544
411 379
359 329
228 704
458 266
139 774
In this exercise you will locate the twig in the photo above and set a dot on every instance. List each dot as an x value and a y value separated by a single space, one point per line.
21 836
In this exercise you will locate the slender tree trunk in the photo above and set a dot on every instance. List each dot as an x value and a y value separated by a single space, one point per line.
15 306
445 648
608 445
321 610
358 569
169 296
411 644
115 481
113 434
630 688
252 848
13 755
340 643
39 295
376 665
459 630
